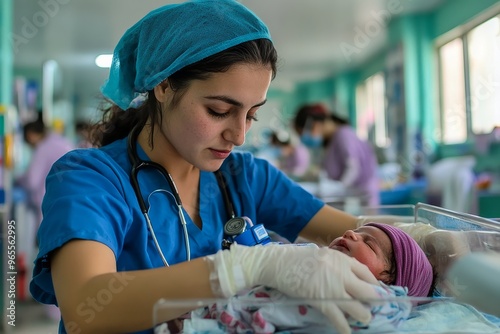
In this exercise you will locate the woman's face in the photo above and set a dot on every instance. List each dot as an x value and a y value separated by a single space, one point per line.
214 115
369 245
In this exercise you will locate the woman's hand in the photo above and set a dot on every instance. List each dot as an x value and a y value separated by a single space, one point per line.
317 274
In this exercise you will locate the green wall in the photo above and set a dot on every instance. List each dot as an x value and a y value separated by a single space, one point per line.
6 61
418 78
6 54
311 92
345 95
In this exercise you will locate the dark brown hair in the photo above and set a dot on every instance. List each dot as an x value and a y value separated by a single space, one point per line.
315 112
117 123
391 272
37 126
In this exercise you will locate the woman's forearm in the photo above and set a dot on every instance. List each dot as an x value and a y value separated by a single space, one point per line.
124 301
94 298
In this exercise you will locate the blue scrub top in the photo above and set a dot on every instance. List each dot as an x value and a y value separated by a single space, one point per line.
89 196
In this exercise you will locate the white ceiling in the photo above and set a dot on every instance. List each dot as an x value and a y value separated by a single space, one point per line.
307 34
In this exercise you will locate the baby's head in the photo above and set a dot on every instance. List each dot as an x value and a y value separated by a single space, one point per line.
390 254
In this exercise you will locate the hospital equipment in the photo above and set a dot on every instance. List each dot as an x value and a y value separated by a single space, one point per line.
240 229
483 290
453 236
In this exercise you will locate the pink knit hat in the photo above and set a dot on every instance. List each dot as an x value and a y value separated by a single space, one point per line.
413 269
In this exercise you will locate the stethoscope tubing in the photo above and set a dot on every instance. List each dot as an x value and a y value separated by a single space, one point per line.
155 240
137 166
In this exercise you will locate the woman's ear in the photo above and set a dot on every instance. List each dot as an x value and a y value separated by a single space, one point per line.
162 91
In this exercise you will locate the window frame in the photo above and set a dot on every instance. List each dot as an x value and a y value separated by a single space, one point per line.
366 85
462 33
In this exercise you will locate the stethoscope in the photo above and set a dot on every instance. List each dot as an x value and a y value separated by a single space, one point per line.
235 229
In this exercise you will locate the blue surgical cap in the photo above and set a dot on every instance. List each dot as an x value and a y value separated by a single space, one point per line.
172 37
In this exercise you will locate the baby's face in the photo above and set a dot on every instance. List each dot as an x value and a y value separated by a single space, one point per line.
369 245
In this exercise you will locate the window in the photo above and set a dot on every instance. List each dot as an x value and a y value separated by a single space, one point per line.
371 121
484 69
453 116
470 83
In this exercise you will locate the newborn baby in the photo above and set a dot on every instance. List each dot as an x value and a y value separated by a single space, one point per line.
392 256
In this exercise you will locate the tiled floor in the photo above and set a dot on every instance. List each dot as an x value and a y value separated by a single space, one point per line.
32 318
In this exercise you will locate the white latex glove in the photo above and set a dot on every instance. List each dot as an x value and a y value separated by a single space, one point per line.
299 272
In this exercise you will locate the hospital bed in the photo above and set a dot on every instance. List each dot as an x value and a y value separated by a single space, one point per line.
465 251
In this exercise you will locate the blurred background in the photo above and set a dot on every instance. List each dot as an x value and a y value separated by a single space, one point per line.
418 80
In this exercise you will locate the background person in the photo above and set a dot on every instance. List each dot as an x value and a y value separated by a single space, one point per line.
347 158
47 147
293 158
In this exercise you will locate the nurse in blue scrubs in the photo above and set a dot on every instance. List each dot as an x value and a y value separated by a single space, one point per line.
141 217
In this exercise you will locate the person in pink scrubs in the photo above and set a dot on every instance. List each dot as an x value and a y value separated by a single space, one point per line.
347 158
47 147
293 158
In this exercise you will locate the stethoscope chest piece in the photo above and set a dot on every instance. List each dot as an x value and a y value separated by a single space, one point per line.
235 226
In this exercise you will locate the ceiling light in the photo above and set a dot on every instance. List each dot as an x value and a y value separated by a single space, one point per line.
104 60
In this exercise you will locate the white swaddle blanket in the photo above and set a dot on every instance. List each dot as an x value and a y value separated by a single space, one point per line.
265 310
